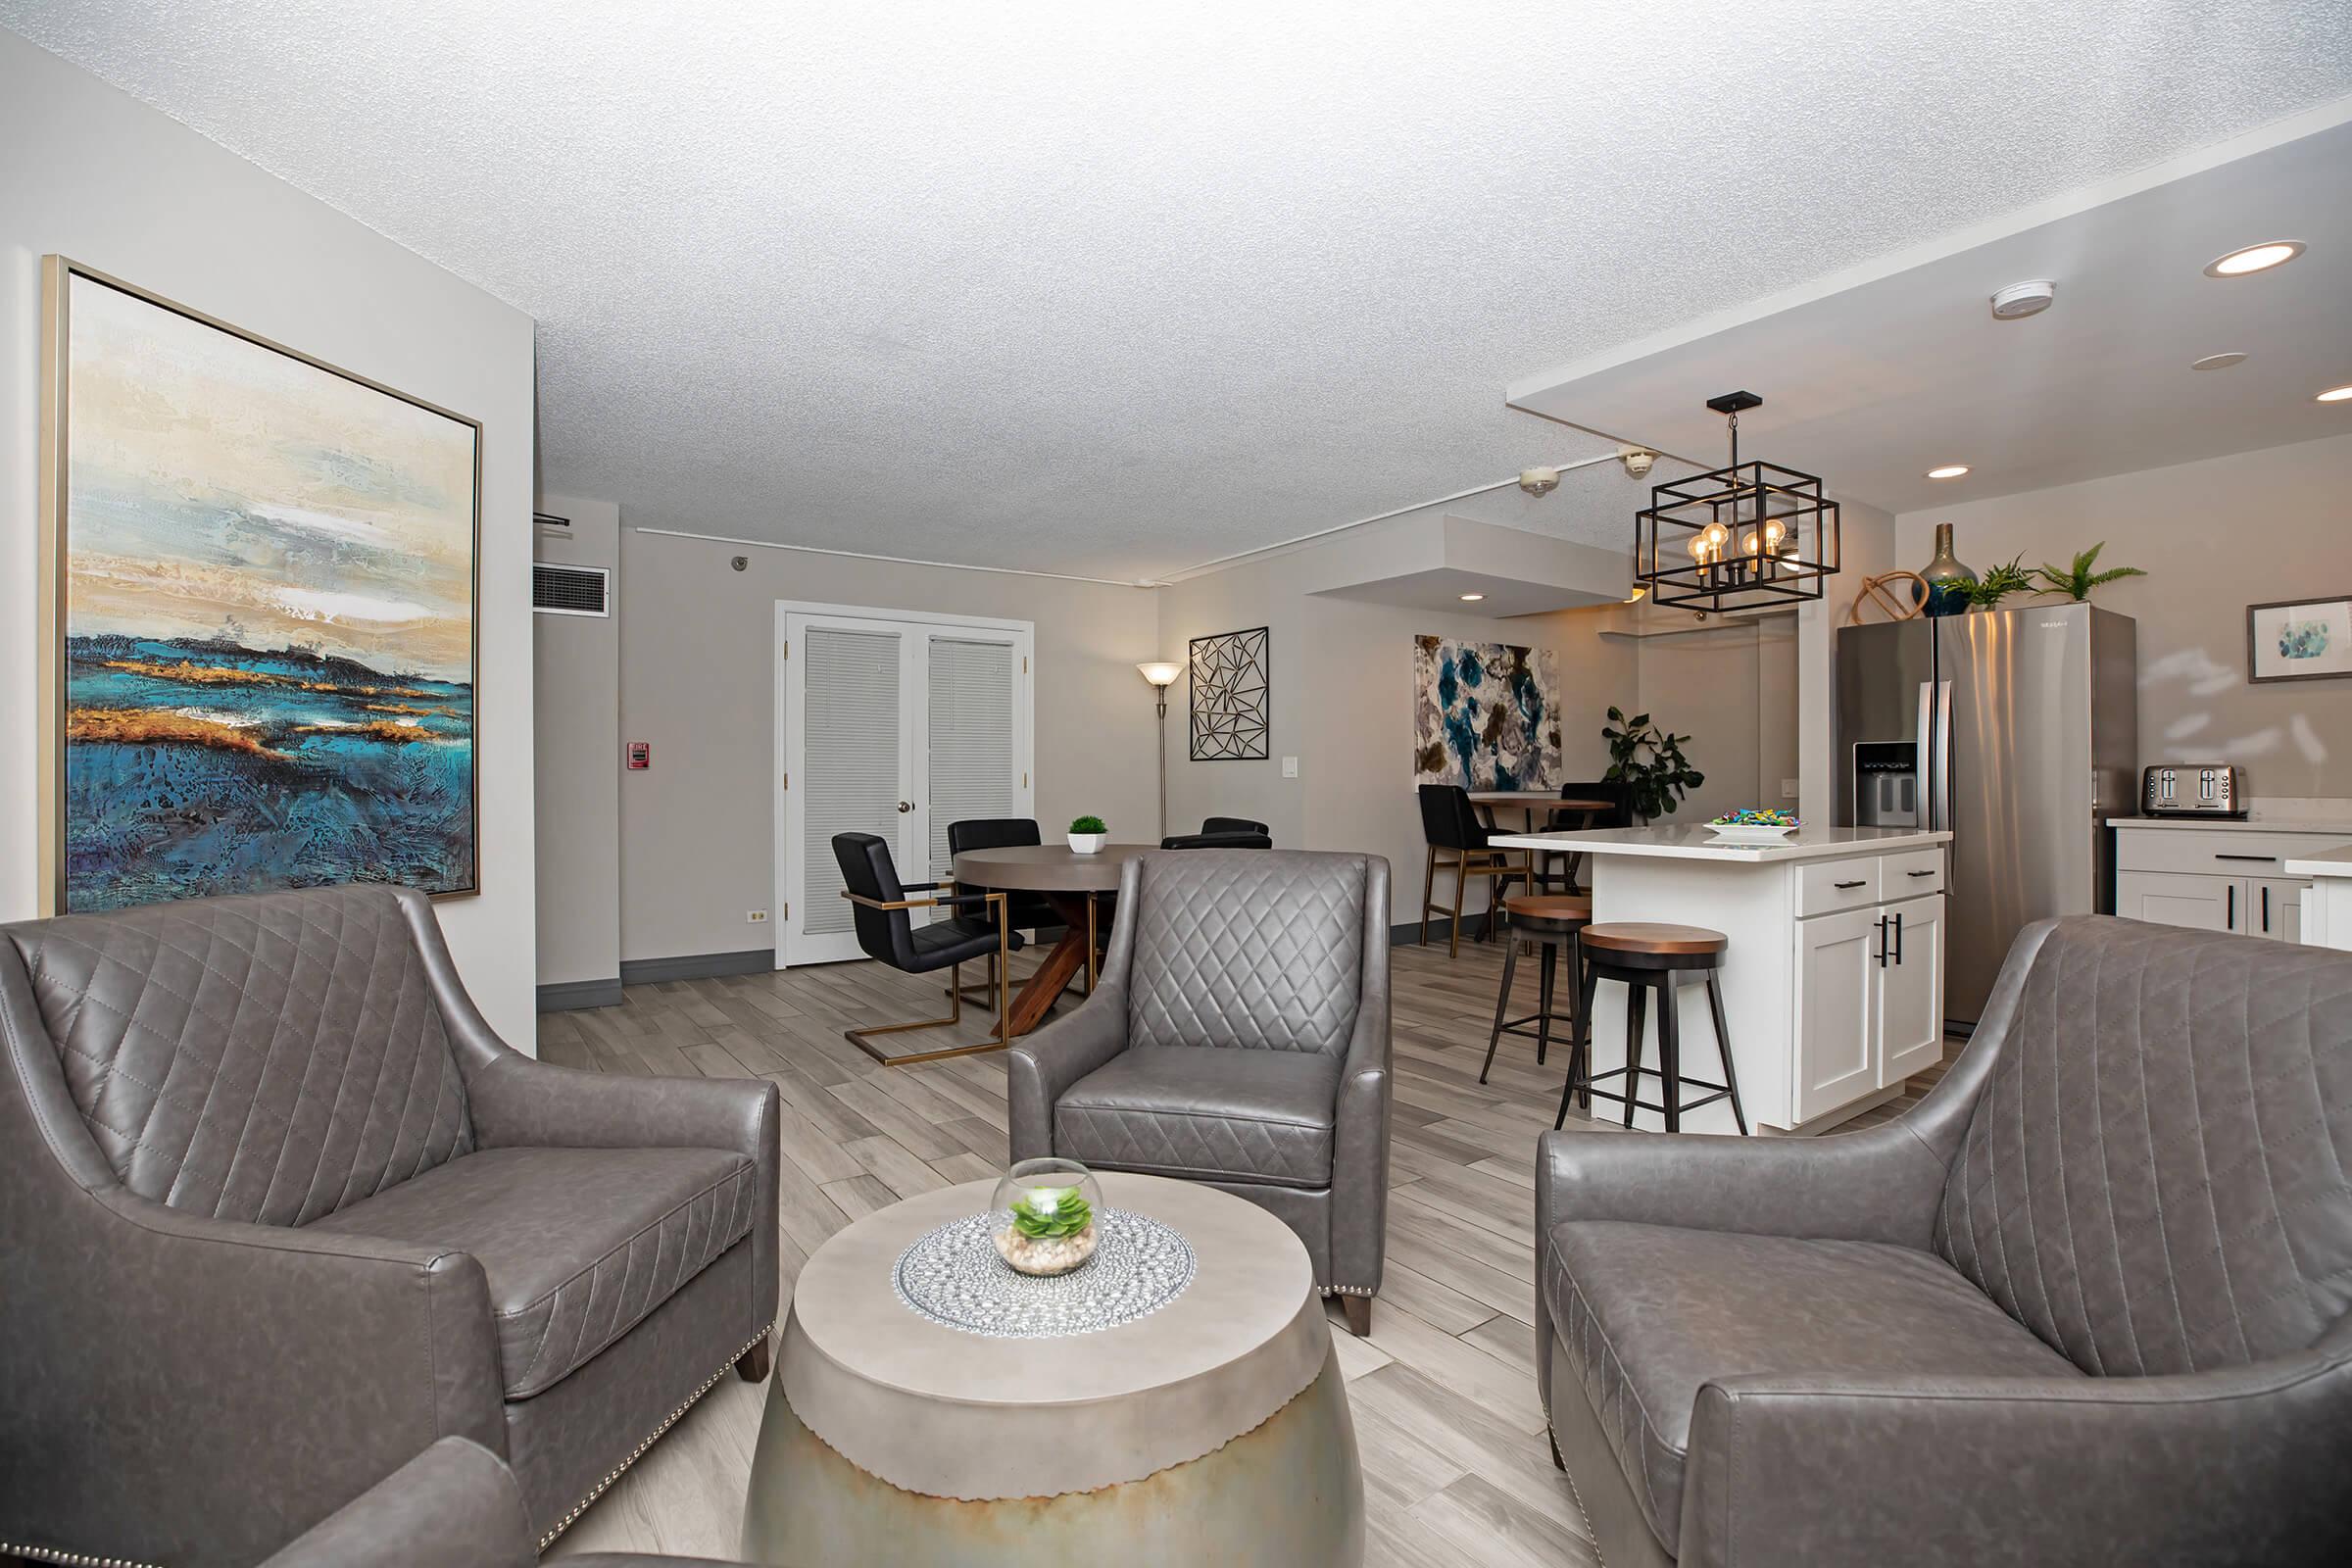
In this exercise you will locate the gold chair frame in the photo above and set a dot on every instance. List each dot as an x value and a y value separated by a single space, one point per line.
1003 984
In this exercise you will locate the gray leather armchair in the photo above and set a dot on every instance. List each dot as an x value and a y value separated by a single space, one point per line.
455 1505
2086 1304
1239 1036
278 1209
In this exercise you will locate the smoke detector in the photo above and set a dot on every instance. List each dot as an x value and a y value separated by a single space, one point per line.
1637 460
2020 300
1539 481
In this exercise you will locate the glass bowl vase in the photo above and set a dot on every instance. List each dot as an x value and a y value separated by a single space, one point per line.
1043 1216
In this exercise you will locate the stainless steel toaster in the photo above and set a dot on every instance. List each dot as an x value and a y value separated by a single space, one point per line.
2192 789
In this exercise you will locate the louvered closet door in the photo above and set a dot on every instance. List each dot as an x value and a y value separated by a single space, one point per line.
844 700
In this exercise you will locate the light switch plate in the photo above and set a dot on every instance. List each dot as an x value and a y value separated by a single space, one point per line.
1788 789
1290 767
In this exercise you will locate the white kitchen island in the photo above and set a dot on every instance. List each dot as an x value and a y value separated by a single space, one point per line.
1832 984
2327 907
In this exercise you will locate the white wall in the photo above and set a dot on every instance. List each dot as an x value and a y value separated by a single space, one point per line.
2213 537
90 174
576 679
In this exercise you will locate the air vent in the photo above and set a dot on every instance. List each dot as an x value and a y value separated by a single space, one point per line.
568 590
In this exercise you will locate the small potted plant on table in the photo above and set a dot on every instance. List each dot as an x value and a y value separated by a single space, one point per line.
1088 835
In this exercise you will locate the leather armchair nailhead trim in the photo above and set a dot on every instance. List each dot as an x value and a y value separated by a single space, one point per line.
75 1558
650 1437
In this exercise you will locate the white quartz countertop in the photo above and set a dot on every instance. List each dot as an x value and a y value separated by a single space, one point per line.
1694 843
2335 863
2335 826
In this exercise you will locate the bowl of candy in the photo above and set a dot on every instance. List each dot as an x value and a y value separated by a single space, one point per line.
1753 825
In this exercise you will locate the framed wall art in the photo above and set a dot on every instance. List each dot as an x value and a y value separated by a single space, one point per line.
260 626
2307 639
1485 716
1231 689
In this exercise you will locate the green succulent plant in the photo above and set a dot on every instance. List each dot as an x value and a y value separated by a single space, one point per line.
2077 581
1047 1214
1987 591
1090 824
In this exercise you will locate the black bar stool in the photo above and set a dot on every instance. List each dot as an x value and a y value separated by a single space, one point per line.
1647 957
1549 920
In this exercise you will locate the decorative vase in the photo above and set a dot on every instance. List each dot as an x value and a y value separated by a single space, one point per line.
1043 1216
1089 843
1944 576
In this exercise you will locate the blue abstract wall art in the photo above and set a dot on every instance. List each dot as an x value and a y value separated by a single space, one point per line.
1485 716
266 634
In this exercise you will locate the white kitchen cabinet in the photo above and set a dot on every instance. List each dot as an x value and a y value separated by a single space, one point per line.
1910 982
1836 1013
2214 877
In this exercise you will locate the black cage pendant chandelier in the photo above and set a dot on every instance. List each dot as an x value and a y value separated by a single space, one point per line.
1746 536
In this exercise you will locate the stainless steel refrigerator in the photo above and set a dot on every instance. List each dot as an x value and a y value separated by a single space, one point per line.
2017 730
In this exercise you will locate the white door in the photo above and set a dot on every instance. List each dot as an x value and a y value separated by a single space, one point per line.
1836 994
1910 982
895 726
2178 898
2279 908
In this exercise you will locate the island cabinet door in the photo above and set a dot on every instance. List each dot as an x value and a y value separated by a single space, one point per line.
2176 898
1837 1060
1911 989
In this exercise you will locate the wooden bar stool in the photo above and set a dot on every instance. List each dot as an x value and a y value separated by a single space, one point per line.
1548 919
1647 957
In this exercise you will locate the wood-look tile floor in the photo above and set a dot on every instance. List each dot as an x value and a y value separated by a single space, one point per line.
1456 1471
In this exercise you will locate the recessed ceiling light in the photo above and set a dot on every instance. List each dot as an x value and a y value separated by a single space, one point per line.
1472 599
2254 258
2335 394
2217 362
1950 470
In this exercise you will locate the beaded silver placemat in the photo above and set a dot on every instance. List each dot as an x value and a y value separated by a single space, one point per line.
955 1275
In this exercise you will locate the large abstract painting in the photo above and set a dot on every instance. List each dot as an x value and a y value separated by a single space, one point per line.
265 624
1485 716
1232 690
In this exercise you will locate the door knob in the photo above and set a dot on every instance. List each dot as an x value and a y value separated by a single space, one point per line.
905 805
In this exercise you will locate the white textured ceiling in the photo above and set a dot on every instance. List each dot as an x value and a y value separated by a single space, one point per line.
1113 290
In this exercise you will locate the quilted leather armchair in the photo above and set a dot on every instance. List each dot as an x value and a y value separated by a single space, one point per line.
278 1209
455 1505
2089 1302
1239 1036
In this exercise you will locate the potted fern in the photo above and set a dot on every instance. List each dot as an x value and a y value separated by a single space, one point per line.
1088 835
2077 581
1987 591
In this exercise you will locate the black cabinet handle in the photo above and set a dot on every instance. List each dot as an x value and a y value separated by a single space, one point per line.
1881 954
1864 883
1918 873
2266 909
1899 939
2260 860
2233 918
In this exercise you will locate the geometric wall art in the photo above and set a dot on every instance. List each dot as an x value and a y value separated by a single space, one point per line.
1230 689
261 640
1485 716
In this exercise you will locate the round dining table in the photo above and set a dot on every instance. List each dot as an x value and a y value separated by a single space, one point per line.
1533 801
1072 883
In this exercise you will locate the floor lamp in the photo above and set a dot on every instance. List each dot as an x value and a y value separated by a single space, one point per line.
1162 675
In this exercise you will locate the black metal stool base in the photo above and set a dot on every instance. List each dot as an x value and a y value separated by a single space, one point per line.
1550 936
1642 973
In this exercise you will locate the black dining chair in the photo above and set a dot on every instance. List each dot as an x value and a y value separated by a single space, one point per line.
1025 911
887 933
1549 867
1217 841
1452 829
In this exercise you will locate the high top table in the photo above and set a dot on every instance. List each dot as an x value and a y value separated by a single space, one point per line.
1070 882
1211 1430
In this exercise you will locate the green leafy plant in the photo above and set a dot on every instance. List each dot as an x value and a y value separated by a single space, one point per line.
1650 762
1090 824
1048 1213
2077 581
1987 591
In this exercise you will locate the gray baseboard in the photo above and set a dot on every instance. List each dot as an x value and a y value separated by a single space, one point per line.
696 966
565 996
1440 929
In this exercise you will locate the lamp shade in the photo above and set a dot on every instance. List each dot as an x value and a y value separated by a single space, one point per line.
1160 672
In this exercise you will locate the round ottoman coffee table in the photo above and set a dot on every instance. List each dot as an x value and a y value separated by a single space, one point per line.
1208 1424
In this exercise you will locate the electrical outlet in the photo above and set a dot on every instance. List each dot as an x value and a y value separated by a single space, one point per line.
755 917
1290 767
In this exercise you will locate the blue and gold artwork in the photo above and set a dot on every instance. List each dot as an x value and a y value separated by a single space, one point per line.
1485 716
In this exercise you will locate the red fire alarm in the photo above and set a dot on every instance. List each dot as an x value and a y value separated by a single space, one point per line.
641 756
